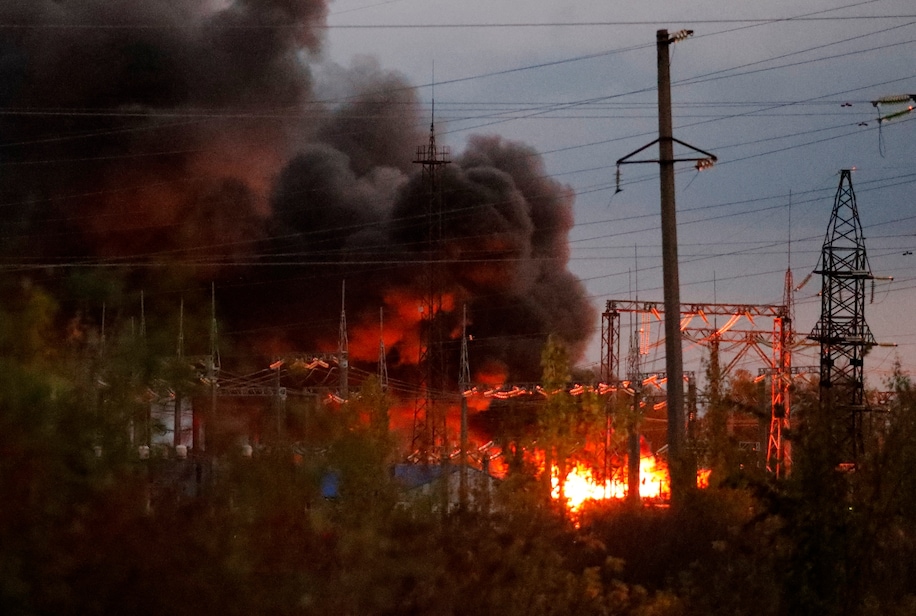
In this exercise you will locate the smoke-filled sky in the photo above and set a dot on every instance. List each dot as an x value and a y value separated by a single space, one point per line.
217 140
283 131
780 91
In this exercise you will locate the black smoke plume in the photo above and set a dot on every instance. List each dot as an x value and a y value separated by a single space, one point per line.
179 143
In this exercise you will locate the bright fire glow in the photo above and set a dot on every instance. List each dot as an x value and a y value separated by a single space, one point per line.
581 484
703 477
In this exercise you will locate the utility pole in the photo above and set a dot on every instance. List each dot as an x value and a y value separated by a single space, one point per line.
682 478
674 360
464 379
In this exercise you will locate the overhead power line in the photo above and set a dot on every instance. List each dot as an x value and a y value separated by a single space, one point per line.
443 26
580 24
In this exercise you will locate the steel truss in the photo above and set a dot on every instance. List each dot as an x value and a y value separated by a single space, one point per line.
842 332
778 361
429 437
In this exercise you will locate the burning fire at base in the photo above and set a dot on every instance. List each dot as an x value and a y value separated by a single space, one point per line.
582 486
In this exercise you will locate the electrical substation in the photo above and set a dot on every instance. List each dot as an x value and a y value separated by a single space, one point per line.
213 412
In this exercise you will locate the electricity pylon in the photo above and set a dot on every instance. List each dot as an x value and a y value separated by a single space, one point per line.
842 332
429 418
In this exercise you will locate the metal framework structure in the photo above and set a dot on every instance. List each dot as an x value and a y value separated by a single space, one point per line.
203 376
633 423
779 381
429 436
464 379
779 449
842 332
343 346
207 369
268 384
382 361
778 361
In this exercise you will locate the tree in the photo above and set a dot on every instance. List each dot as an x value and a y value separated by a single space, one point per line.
716 419
557 417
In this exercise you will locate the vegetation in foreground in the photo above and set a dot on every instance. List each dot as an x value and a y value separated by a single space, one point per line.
89 534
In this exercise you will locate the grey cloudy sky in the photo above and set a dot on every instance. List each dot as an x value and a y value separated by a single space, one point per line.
783 99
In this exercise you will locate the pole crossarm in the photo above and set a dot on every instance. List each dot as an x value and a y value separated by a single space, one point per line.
706 155
683 471
707 160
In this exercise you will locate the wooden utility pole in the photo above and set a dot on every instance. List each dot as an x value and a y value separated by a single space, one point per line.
682 478
674 359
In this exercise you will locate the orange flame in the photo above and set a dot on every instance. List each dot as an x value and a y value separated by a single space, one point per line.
703 478
582 486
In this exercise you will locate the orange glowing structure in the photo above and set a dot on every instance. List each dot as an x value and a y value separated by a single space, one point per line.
582 486
777 359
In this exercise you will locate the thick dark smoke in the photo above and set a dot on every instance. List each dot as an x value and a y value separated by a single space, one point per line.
193 136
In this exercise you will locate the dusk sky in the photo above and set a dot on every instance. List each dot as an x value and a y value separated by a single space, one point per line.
780 91
198 130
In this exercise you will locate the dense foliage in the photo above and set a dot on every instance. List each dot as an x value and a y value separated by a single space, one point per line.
89 531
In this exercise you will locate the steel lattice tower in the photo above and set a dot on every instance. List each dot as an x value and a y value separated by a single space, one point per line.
382 361
633 449
429 419
779 449
610 344
343 346
464 384
842 331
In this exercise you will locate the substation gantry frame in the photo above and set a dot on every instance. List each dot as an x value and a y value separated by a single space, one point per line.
778 361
